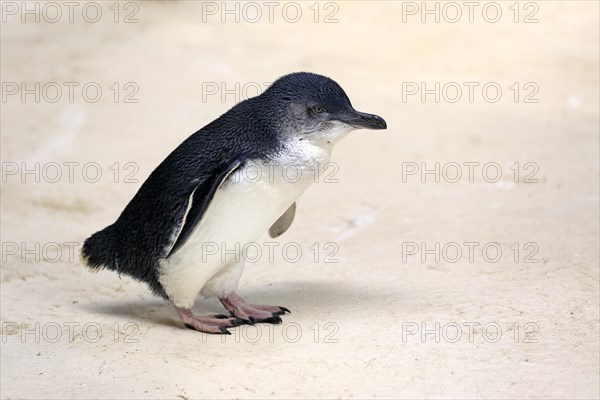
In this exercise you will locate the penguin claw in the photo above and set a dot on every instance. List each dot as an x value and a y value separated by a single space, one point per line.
224 331
252 313
275 319
221 316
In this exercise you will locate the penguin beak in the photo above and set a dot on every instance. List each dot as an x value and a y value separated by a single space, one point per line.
362 120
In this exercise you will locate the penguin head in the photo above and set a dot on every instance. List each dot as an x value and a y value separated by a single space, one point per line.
316 108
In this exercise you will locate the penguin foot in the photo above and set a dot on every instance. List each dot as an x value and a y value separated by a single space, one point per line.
208 324
252 313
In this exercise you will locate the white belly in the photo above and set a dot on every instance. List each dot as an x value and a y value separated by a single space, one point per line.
243 208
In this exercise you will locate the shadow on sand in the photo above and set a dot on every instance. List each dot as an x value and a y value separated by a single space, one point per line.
299 296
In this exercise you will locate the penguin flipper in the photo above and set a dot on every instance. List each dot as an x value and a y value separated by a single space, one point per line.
283 223
200 199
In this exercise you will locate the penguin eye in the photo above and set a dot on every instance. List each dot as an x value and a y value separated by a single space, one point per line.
318 109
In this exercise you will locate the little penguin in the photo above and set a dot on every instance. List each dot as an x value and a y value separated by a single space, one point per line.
226 185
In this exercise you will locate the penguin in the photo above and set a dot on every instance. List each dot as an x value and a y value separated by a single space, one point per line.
223 187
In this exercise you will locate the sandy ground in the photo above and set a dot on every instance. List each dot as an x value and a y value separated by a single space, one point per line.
377 311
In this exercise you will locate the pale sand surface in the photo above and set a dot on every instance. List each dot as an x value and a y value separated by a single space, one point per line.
354 315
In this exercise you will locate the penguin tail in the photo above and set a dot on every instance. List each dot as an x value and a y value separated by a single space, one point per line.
99 251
